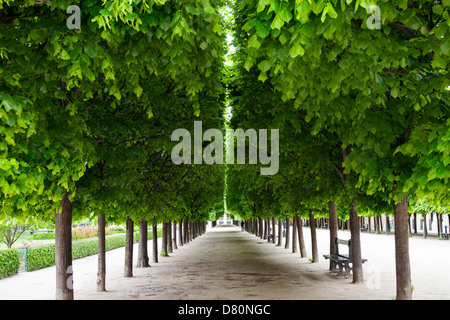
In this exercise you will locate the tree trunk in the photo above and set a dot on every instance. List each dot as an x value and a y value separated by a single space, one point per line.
288 232
356 245
301 239
425 229
280 232
409 225
164 239
377 224
101 268
180 233
415 223
128 270
294 235
174 235
260 228
312 223
264 229
142 261
186 231
332 210
388 225
402 264
63 250
439 221
169 237
8 237
273 230
155 242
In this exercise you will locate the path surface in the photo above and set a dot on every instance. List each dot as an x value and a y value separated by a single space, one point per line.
226 263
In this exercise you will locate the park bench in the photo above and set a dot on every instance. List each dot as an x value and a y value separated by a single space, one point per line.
364 228
342 260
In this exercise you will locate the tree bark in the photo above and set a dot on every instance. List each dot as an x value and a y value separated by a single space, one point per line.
439 220
169 237
186 230
312 223
260 228
164 239
280 232
264 229
388 226
288 233
128 270
409 225
155 242
402 264
180 233
63 250
415 223
332 210
174 235
142 261
425 229
294 234
356 245
377 226
273 230
301 239
101 268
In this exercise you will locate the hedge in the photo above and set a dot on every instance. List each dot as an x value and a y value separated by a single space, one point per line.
44 256
44 236
9 262
41 257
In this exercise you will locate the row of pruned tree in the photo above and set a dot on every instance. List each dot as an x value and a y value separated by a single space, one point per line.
363 113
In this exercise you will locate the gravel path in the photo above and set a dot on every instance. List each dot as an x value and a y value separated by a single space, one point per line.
226 263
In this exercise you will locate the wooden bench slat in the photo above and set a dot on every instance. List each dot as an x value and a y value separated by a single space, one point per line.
344 242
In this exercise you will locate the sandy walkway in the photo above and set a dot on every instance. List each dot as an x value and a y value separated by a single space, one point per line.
226 263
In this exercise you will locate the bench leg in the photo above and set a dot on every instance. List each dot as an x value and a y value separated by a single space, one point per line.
347 270
344 270
335 269
341 270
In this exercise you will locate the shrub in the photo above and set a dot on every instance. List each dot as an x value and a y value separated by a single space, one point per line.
41 257
44 236
84 248
9 262
44 256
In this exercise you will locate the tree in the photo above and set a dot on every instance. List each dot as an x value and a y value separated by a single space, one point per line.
371 88
10 231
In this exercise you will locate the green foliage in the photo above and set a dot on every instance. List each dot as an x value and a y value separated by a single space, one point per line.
363 113
44 236
44 256
93 109
9 262
41 257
